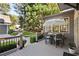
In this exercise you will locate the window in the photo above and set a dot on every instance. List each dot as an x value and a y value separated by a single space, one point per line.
1 20
65 27
55 28
62 28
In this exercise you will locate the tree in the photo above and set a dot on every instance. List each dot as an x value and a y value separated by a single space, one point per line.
4 8
14 19
36 12
21 10
31 15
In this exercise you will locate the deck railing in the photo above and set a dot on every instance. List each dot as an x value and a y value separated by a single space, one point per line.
8 43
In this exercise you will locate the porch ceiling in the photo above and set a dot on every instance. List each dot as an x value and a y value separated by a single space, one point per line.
64 6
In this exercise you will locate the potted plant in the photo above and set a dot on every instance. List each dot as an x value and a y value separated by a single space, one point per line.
72 47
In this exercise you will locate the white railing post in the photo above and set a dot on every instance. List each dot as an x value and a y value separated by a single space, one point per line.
36 37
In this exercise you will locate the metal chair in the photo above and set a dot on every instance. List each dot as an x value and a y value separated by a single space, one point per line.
51 40
47 37
58 39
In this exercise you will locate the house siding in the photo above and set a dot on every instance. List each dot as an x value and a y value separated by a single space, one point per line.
70 14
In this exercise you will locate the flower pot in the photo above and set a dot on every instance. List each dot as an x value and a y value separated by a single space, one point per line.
72 51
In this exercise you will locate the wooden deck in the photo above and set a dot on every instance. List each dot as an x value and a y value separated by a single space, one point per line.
40 49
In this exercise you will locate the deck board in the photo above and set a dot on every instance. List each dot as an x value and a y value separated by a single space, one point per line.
40 49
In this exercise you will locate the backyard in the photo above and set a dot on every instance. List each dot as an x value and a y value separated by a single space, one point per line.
39 29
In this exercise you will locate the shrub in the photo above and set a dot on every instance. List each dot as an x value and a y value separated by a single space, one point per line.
14 33
10 31
4 47
40 36
31 35
28 33
32 39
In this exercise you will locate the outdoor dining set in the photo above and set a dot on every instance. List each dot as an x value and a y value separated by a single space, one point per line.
56 39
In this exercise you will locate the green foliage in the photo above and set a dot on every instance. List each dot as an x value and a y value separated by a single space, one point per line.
32 39
31 35
14 19
12 27
21 10
31 14
4 44
28 33
4 47
5 7
10 31
40 36
14 33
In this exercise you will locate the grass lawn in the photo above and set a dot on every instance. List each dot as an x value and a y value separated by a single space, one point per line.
28 33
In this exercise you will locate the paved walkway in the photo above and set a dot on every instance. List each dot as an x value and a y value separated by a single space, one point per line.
40 49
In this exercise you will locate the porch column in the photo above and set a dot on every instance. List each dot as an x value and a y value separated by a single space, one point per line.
52 29
59 28
76 28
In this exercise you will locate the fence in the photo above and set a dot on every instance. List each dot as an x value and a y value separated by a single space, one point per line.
8 43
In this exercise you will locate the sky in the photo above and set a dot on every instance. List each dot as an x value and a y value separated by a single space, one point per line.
12 12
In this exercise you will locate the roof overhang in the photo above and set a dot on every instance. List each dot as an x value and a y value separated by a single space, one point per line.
64 6
6 19
63 12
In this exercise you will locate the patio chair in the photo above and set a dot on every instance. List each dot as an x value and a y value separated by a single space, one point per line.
51 40
59 39
47 37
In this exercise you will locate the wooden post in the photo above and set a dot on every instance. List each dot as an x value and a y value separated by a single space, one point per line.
76 28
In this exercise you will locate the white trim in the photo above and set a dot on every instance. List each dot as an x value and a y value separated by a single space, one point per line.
4 24
68 24
51 28
68 10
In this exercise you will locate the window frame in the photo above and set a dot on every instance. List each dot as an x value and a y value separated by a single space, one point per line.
68 25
